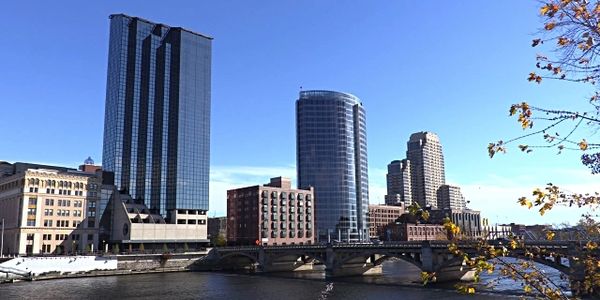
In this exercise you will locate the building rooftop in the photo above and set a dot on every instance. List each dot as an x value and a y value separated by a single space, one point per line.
154 23
328 94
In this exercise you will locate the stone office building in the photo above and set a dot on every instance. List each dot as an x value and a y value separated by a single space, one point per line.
468 220
271 214
48 209
381 217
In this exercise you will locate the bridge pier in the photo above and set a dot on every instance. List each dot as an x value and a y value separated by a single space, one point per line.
577 276
360 266
454 273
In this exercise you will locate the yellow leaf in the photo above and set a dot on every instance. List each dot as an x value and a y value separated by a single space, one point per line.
527 289
544 10
549 26
563 41
550 235
583 145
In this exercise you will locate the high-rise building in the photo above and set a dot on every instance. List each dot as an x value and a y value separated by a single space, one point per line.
424 152
157 117
449 196
399 183
332 157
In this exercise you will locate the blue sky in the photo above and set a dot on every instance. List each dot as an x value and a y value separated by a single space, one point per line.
453 69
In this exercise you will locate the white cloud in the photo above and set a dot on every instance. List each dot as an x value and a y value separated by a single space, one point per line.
496 197
377 185
223 178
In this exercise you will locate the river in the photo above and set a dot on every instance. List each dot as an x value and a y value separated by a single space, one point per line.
398 282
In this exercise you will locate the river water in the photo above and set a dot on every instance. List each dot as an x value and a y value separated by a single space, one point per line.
399 281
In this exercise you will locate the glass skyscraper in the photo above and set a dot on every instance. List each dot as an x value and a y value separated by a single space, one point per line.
332 157
157 117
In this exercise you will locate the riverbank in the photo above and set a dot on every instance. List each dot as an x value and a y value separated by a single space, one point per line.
58 267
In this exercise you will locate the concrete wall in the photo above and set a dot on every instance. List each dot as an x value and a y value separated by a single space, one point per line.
156 262
180 232
38 265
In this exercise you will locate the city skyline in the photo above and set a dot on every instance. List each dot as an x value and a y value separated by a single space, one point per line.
474 101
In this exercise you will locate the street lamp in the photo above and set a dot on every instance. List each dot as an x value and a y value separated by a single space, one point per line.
2 240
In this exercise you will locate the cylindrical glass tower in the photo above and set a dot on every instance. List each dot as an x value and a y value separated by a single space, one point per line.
331 148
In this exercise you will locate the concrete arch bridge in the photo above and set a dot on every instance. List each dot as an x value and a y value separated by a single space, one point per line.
367 259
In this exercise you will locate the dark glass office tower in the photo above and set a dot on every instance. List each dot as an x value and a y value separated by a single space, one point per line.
157 117
332 157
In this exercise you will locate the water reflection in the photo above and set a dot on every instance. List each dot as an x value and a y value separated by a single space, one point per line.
399 280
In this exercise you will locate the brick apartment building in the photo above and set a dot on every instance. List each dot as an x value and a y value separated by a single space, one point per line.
271 214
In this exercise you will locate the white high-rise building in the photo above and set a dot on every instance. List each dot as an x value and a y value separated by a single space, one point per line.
449 196
424 152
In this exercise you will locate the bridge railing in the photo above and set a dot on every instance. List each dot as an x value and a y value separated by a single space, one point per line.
405 245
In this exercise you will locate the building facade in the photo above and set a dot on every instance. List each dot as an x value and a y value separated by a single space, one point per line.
331 152
468 220
217 227
419 232
157 117
449 196
48 210
380 219
127 225
271 214
399 186
424 151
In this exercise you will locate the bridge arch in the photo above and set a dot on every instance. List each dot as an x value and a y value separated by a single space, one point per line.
229 256
313 255
385 255
564 269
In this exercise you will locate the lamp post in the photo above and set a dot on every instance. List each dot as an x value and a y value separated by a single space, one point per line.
2 240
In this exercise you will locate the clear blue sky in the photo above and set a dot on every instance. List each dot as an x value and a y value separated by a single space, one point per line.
451 68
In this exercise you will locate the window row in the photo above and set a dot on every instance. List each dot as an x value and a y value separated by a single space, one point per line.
284 195
284 202
275 217
283 225
54 183
286 234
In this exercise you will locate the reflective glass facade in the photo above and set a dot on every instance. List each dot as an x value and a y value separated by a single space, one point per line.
157 116
332 157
